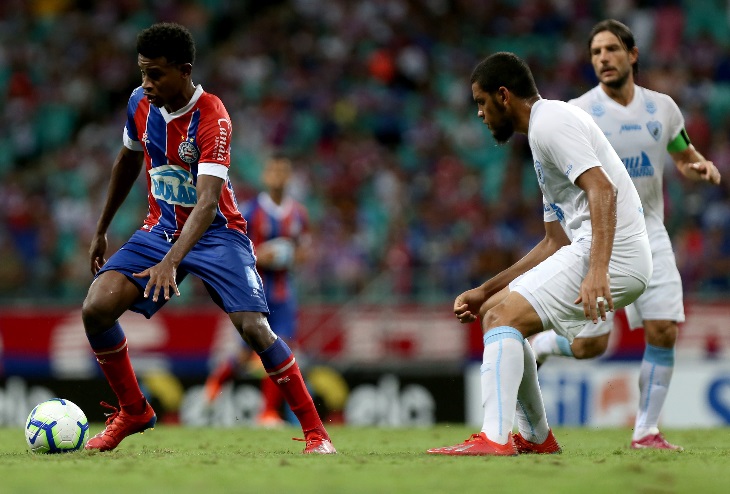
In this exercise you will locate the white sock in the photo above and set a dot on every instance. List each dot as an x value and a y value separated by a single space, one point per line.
501 374
654 378
531 418
550 343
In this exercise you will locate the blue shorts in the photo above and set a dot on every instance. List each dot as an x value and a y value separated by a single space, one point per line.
223 259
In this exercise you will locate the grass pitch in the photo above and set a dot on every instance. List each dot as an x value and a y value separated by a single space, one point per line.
205 461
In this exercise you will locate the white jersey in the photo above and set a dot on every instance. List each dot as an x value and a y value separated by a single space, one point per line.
565 142
640 133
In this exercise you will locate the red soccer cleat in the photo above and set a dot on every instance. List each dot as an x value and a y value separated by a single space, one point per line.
119 425
477 445
318 443
548 447
655 441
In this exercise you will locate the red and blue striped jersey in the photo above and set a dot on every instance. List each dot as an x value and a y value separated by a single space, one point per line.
179 146
268 220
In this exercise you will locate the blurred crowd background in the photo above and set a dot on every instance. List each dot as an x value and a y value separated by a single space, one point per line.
410 198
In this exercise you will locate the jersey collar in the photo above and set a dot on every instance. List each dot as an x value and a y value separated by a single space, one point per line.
169 117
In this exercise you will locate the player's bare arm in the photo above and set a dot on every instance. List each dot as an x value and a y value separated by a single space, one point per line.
602 194
467 306
125 171
163 275
694 166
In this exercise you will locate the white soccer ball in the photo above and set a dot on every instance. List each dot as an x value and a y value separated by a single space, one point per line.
56 426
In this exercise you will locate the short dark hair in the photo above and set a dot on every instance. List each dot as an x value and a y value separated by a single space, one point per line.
505 69
169 40
621 31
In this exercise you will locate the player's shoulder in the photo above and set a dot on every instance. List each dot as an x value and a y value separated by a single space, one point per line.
654 100
136 96
212 105
589 101
554 113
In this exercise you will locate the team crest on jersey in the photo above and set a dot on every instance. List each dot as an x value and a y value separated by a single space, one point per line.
655 129
188 152
650 107
598 110
540 173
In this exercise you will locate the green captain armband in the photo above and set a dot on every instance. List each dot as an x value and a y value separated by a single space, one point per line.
680 143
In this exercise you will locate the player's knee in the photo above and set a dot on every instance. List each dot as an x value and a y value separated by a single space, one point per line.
254 329
661 333
96 314
584 348
494 317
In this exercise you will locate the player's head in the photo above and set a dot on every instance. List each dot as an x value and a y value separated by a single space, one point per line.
495 83
165 55
276 174
613 52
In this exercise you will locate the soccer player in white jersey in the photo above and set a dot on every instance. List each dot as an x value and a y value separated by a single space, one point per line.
642 126
595 255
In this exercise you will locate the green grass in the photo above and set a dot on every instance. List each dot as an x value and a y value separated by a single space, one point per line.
206 461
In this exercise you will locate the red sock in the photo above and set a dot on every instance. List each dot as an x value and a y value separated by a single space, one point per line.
271 394
117 368
291 385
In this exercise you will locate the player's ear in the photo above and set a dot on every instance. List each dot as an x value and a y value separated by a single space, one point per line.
633 55
186 69
503 95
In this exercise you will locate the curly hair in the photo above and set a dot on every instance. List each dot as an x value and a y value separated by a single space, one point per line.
169 40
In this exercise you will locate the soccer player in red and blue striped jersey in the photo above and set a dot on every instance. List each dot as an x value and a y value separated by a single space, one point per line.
182 137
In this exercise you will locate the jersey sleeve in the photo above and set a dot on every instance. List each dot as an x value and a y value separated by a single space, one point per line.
130 136
675 126
567 140
214 142
549 214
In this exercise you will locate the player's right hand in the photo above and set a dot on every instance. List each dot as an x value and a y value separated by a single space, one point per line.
467 305
96 252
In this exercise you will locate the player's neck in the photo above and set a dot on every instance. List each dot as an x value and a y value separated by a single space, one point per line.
524 111
622 95
182 99
277 196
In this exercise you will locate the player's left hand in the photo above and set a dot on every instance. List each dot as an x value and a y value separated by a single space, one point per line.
162 280
595 294
707 171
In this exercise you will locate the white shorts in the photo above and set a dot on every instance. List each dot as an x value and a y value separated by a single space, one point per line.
552 286
662 300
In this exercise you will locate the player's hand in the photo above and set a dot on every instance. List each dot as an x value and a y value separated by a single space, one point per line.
595 294
707 171
162 280
96 252
467 305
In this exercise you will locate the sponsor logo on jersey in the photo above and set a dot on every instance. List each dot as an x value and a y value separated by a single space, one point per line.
568 170
629 128
173 185
188 151
650 107
655 129
539 172
222 143
597 110
639 166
